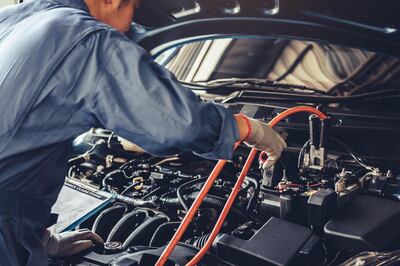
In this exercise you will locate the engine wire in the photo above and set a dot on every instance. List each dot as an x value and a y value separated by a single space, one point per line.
347 148
131 186
180 188
354 155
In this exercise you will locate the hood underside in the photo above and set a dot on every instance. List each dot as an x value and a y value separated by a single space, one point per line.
368 24
370 13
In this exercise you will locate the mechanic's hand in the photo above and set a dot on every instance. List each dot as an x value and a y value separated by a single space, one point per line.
69 243
264 138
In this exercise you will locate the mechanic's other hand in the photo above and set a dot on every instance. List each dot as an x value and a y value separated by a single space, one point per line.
69 243
264 138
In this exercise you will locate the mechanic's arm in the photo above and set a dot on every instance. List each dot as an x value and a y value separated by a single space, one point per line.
242 126
144 103
260 136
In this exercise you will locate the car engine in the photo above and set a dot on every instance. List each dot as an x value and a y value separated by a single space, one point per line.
321 204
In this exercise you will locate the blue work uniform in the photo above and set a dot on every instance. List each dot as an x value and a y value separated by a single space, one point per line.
63 72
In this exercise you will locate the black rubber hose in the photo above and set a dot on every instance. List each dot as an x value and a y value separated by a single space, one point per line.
254 196
110 174
136 202
209 201
182 188
188 188
245 189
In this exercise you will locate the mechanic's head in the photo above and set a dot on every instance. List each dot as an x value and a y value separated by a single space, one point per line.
116 13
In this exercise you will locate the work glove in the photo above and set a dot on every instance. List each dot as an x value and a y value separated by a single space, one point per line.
69 243
264 138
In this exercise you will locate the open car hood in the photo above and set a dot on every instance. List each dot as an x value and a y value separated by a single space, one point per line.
367 24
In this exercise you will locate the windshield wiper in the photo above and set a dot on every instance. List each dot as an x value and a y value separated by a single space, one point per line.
237 84
262 90
268 96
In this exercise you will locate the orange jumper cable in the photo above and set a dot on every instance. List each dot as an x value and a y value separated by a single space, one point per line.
196 204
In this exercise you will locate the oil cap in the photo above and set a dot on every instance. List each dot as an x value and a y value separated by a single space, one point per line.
112 247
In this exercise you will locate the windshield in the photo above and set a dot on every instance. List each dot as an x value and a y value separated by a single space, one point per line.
329 68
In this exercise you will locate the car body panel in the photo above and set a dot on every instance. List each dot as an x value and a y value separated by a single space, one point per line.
369 25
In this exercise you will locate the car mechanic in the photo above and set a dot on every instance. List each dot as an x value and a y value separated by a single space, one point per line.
67 66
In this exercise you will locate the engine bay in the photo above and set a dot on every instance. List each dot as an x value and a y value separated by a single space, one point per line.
321 204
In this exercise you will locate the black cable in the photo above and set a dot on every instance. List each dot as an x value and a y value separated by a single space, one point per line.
209 200
347 148
152 193
273 191
180 188
103 182
254 196
353 154
131 186
133 161
244 189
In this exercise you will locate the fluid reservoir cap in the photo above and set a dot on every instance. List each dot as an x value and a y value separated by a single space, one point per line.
112 247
